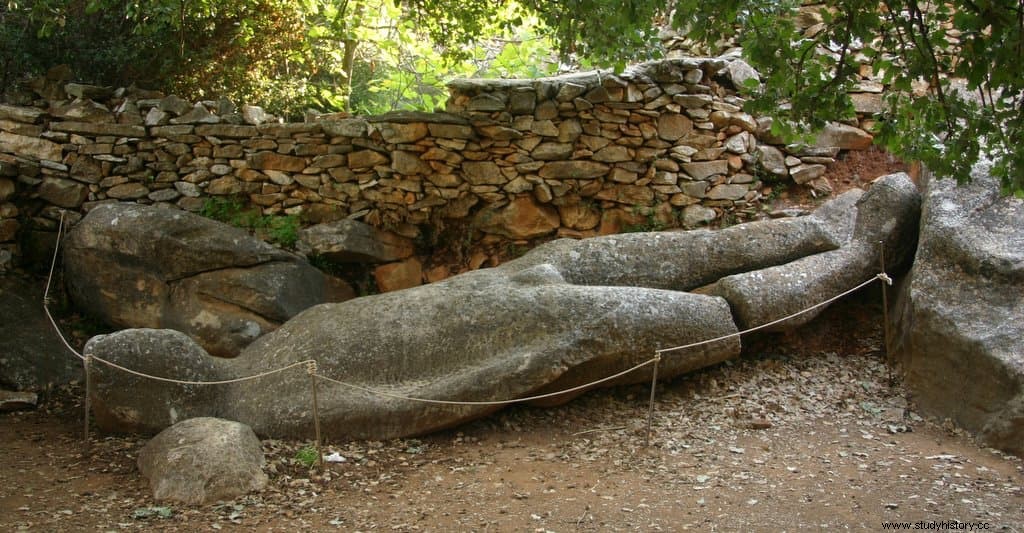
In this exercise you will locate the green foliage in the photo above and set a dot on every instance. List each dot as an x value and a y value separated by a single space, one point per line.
807 75
401 70
307 456
222 209
280 229
602 32
285 56
372 56
651 224
513 250
777 190
283 230
324 264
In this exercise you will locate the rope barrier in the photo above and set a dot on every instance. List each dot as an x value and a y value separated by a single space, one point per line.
46 293
880 276
386 394
187 382
312 370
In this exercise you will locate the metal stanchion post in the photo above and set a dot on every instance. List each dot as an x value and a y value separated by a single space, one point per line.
650 406
87 364
885 311
316 415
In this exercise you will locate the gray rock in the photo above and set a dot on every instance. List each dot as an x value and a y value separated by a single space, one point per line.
451 340
198 115
156 117
139 266
844 137
684 261
959 325
706 169
727 192
175 104
254 115
696 214
32 357
739 71
30 146
84 110
166 353
27 115
78 90
349 127
203 460
805 173
887 212
351 241
772 160
565 314
17 401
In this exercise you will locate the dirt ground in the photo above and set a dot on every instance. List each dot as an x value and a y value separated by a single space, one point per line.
804 431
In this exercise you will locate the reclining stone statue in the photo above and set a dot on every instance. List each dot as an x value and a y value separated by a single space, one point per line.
565 314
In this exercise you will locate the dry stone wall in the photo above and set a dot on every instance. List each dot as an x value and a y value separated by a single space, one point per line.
664 144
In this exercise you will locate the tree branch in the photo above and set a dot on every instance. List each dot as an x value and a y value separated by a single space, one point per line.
931 58
841 64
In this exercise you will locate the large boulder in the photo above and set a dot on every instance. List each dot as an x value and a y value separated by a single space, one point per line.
488 335
165 353
564 315
203 460
137 266
887 213
959 325
32 356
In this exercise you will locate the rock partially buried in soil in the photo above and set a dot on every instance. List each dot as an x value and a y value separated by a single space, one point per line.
139 266
203 460
17 401
960 315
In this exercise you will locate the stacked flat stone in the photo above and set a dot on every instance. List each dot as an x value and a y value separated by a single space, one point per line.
576 155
